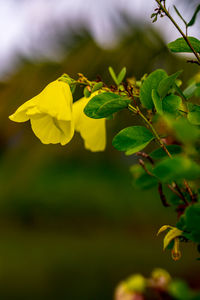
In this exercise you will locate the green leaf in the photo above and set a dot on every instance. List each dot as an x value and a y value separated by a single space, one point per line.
170 169
145 182
190 90
197 92
178 90
113 75
180 45
171 104
97 86
150 83
167 83
117 79
185 132
174 200
179 290
142 180
194 114
160 153
86 92
179 14
192 21
132 139
189 222
157 102
121 75
104 105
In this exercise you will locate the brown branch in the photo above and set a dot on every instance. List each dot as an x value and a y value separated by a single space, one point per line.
162 195
145 155
141 162
188 189
176 190
193 61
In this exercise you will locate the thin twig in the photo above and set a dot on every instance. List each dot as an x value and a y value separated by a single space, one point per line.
188 189
145 155
179 29
162 195
176 192
180 192
142 164
193 61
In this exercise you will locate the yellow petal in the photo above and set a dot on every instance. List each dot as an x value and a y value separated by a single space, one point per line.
93 131
55 100
20 114
51 131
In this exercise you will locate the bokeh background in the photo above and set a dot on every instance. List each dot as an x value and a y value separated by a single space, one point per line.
71 224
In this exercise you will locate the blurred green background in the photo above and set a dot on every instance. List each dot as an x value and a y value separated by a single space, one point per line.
72 226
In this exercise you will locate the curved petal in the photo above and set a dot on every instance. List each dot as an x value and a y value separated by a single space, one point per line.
20 114
56 100
51 131
93 131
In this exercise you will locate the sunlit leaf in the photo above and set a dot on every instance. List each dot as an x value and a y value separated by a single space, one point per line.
180 45
113 75
121 75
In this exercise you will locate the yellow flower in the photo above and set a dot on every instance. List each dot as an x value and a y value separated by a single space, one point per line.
53 118
93 131
50 114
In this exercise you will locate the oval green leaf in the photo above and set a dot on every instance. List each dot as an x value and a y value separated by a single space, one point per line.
132 139
194 114
160 153
104 105
179 167
150 83
180 45
167 83
157 101
171 104
190 90
121 75
193 19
